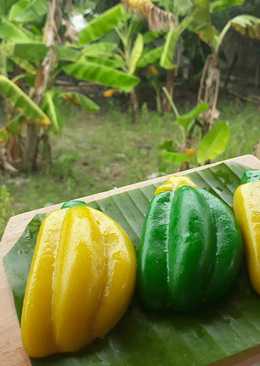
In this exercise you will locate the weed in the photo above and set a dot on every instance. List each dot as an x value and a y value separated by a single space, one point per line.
64 163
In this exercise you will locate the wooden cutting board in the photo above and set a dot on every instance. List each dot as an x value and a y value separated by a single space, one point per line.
11 349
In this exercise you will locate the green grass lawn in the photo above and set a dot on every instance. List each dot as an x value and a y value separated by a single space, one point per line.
99 152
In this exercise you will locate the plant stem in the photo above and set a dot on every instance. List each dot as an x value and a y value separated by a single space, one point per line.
171 102
43 80
169 87
134 105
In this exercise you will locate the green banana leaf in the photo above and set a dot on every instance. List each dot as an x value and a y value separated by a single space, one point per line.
51 109
100 74
68 53
136 54
24 65
103 24
22 102
80 100
151 36
100 49
24 11
143 338
5 6
115 62
222 5
183 7
14 33
214 143
173 36
31 51
186 120
150 57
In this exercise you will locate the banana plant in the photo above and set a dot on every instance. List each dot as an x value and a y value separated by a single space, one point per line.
163 18
132 51
37 59
246 25
196 16
194 146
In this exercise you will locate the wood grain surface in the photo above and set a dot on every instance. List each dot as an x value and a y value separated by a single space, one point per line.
11 349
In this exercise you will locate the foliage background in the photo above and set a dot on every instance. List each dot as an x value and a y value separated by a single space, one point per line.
96 152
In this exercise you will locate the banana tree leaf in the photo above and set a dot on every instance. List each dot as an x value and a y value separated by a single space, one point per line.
186 119
247 25
80 101
150 57
103 24
33 52
115 62
150 36
28 10
103 75
136 53
222 5
24 65
143 338
22 103
5 6
12 32
202 23
99 49
174 157
214 142
183 7
36 51
51 109
172 38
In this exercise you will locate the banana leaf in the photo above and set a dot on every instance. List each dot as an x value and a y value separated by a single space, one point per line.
14 33
247 25
31 51
146 338
21 102
51 109
24 11
150 57
214 142
81 100
136 53
103 24
103 75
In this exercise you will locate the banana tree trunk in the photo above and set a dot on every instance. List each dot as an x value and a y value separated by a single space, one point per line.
4 161
170 78
46 152
43 80
158 100
134 106
209 90
31 148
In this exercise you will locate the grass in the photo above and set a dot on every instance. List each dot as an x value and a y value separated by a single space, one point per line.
98 152
245 123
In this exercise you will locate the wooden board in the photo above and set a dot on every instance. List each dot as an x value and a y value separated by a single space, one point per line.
11 349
